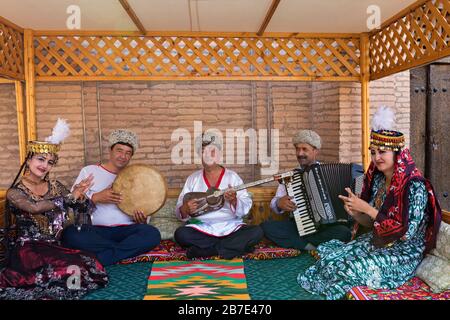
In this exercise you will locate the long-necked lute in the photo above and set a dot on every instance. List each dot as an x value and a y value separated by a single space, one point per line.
213 199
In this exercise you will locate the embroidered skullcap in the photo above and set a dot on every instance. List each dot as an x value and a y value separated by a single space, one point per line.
124 136
307 136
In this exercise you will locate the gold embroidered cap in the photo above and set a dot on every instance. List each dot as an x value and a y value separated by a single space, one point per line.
43 147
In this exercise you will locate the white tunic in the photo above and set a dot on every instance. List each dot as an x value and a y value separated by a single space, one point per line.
221 222
105 214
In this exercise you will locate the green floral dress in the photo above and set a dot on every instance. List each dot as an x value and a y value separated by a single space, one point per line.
358 263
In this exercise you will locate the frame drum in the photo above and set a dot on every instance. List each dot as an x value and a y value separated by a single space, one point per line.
142 188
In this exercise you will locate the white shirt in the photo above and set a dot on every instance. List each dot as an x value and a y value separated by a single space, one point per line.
105 214
221 222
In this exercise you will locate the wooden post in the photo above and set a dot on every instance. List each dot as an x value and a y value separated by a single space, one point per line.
30 83
365 104
21 126
269 15
133 16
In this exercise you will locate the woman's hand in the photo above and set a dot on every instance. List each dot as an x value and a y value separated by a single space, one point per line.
82 187
354 205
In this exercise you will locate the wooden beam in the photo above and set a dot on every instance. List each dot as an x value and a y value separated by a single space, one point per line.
133 16
268 17
194 78
365 104
10 24
3 80
21 125
30 84
190 34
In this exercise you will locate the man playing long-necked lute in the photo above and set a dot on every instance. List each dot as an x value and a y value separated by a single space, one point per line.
220 231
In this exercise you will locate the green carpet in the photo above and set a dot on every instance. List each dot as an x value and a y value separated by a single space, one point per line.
126 282
277 279
274 279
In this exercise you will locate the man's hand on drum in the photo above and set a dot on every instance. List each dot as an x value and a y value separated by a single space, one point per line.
139 216
107 196
230 196
82 187
285 203
188 207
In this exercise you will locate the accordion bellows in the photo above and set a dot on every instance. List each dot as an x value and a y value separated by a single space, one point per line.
315 191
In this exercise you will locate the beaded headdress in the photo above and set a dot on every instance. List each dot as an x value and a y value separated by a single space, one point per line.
382 135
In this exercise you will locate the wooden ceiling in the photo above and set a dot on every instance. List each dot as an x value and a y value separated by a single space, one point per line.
306 16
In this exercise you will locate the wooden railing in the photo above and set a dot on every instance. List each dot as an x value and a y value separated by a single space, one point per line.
418 35
11 50
65 56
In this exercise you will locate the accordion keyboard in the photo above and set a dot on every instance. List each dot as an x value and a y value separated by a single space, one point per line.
302 214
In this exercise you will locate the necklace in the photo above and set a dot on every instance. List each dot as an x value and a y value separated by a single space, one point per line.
30 181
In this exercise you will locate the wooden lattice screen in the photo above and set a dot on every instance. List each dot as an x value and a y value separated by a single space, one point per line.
11 52
87 57
420 36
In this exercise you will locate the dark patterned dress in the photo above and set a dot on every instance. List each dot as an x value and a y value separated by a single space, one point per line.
38 266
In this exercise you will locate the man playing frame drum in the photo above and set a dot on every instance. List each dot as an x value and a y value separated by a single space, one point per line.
113 235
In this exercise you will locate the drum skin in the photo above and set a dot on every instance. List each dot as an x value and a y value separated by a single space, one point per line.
142 188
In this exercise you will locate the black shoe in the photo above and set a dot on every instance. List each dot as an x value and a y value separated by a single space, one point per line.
196 252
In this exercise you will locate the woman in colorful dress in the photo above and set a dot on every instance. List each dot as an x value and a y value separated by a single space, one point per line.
399 207
37 267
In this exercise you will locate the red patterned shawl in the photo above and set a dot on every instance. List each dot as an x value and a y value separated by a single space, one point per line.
391 222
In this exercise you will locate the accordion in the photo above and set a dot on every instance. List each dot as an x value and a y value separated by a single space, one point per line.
315 191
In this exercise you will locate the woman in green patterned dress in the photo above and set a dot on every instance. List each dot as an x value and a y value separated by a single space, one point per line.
402 212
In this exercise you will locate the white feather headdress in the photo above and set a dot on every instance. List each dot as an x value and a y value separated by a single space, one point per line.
383 119
60 132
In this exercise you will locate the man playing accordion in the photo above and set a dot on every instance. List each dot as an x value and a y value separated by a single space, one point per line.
284 233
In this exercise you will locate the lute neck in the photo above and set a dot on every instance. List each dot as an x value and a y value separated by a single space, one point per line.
252 184
248 185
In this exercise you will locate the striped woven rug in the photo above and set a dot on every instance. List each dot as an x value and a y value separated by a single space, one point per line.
197 280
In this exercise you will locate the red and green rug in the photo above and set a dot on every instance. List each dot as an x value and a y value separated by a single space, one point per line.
197 280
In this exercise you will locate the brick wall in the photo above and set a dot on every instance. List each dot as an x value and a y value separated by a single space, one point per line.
62 100
9 138
325 111
392 91
155 109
